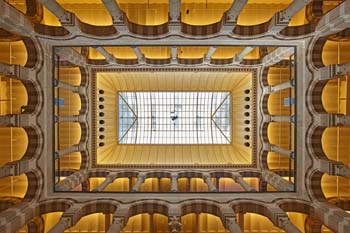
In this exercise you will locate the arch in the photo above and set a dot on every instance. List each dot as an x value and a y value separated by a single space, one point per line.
314 185
280 134
296 206
334 99
201 206
16 89
254 207
276 105
69 134
34 11
19 54
11 152
335 141
7 202
316 96
253 30
35 183
32 53
103 206
150 207
334 187
190 174
158 174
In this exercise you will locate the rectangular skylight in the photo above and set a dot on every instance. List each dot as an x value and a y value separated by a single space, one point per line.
174 118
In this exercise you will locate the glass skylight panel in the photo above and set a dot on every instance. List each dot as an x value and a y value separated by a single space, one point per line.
174 118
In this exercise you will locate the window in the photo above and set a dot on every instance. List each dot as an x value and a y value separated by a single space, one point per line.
174 118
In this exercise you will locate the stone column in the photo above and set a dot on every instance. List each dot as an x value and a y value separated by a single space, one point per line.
245 185
71 181
277 181
140 56
282 118
17 168
109 57
66 86
285 224
235 10
283 151
56 9
277 55
294 8
117 225
68 119
232 225
72 56
174 11
282 86
334 20
174 182
211 186
7 120
61 226
66 151
109 179
331 167
239 57
139 182
210 53
114 10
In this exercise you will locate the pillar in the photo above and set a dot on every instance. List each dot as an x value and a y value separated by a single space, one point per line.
68 119
331 167
71 55
245 185
114 10
174 187
56 9
140 56
61 226
294 8
282 86
210 53
17 168
174 11
210 184
139 182
277 55
66 86
71 181
235 10
283 151
66 151
109 179
282 118
285 224
232 225
109 57
277 181
239 57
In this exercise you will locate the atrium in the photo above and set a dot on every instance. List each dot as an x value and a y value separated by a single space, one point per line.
174 116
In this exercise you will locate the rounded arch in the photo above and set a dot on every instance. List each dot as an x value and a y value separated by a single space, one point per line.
35 183
296 206
253 207
201 206
14 144
150 207
190 174
279 134
335 141
334 99
158 174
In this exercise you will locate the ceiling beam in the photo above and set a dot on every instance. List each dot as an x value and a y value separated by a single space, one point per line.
69 54
277 55
239 57
140 56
